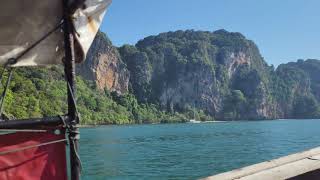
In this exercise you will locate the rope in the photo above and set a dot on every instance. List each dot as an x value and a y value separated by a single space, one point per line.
12 61
72 139
71 129
32 146
77 154
74 100
65 124
5 91
39 41
1 77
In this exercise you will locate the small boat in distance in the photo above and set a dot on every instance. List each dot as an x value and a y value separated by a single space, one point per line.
194 121
194 118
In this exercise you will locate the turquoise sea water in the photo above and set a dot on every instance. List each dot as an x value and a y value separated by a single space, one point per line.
189 151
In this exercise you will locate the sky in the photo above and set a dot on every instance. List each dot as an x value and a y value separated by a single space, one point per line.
284 30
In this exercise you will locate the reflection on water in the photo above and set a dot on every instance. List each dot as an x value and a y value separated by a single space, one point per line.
190 151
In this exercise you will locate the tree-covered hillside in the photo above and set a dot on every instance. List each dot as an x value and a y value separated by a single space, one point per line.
203 70
221 73
172 77
38 92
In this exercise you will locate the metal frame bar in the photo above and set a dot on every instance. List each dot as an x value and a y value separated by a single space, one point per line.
34 123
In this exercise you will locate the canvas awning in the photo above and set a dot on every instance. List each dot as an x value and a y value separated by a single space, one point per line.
23 22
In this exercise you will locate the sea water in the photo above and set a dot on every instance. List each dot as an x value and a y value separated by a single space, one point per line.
189 151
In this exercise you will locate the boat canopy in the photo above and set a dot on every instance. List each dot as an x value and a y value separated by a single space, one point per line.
31 30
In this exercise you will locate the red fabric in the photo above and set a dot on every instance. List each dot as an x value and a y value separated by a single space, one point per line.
45 162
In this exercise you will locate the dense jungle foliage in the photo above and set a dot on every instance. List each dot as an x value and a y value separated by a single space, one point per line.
175 77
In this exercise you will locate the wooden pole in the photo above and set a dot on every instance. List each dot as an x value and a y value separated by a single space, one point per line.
70 78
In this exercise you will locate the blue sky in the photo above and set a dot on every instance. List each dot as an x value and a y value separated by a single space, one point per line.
284 30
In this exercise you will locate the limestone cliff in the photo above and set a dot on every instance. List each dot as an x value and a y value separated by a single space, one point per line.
104 66
221 74
196 69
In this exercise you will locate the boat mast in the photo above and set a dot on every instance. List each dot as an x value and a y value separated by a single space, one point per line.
69 63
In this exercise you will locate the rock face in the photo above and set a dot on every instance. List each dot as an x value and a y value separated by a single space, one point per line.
194 69
104 66
298 88
220 73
